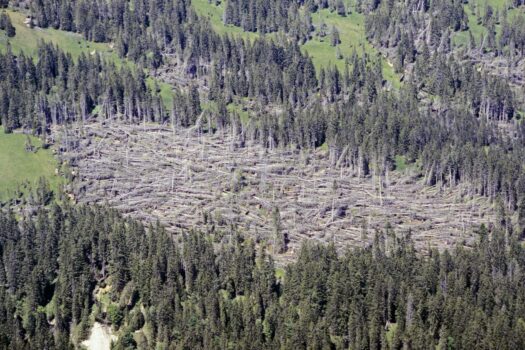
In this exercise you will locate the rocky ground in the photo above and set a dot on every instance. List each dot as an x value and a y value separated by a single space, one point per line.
100 338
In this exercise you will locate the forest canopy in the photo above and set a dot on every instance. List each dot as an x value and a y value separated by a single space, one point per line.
193 293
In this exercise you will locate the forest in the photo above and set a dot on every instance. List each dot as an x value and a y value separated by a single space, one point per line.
65 266
191 136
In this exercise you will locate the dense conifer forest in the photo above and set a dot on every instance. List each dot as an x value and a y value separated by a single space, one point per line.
452 110
63 266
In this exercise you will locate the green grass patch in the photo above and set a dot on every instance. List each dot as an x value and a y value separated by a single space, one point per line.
351 30
404 165
496 4
50 308
19 168
461 39
164 89
392 328
27 39
280 273
214 13
401 163
211 106
243 114
352 34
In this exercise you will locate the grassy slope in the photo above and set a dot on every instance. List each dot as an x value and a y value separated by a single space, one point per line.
478 30
352 33
351 29
214 13
27 40
18 167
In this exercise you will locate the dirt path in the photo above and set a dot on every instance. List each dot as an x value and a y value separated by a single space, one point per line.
100 338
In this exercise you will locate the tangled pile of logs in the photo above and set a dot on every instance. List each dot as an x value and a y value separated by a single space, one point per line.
189 179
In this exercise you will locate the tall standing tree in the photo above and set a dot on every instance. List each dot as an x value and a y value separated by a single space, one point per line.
334 37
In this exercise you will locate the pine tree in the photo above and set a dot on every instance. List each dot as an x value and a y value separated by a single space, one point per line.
334 38
278 234
5 24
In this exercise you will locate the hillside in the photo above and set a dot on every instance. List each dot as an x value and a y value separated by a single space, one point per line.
26 39
351 30
209 90
197 180
262 174
340 90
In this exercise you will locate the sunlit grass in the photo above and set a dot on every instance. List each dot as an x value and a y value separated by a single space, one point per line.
19 167
351 29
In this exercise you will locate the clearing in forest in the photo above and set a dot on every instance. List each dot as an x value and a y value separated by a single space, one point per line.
26 40
475 11
189 179
351 30
20 167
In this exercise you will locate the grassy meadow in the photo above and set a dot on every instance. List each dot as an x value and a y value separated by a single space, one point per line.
19 168
27 39
351 30
477 7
